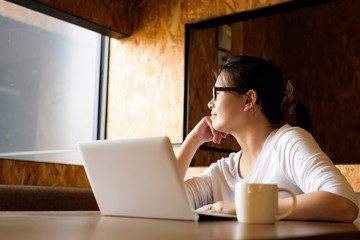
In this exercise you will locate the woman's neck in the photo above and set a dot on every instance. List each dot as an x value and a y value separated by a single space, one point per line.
252 139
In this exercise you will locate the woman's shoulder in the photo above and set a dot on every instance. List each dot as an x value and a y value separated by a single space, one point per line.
295 138
289 132
288 136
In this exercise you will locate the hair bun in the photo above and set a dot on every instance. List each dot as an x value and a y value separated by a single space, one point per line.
289 102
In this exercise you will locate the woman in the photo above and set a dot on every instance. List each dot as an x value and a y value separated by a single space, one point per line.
249 102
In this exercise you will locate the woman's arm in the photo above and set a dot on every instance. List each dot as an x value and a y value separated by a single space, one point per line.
203 132
320 206
327 194
315 206
186 152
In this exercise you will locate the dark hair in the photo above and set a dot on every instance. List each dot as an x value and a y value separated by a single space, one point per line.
246 72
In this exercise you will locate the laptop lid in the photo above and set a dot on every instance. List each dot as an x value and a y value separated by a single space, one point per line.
136 178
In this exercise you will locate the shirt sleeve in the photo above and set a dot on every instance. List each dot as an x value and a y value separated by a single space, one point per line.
309 167
199 189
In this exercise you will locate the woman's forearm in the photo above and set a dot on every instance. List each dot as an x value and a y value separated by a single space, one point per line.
186 153
320 206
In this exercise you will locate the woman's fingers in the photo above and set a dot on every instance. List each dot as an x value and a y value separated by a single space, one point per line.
205 131
206 208
216 136
219 207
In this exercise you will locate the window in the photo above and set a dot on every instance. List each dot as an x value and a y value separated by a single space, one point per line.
49 86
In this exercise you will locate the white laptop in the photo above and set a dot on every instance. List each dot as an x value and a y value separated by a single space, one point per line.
138 178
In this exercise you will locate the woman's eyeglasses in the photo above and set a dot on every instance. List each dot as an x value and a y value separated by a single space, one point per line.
217 89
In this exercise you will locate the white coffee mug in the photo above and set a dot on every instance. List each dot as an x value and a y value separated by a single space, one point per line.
258 203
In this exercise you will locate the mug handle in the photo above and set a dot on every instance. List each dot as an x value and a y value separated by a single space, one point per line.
293 205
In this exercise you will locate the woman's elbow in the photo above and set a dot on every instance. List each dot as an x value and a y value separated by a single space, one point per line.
349 212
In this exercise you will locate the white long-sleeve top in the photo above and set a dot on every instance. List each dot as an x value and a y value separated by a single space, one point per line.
289 158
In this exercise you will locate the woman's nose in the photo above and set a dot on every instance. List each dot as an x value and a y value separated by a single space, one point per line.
211 104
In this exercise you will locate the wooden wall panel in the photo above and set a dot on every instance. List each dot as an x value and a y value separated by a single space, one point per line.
204 157
203 59
323 65
329 85
145 96
112 14
352 174
42 174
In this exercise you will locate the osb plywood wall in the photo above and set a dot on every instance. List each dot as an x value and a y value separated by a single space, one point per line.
114 15
317 49
146 86
154 52
152 60
42 174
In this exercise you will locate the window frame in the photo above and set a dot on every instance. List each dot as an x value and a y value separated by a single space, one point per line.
103 77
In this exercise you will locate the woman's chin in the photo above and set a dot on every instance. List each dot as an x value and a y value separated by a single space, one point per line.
217 127
221 128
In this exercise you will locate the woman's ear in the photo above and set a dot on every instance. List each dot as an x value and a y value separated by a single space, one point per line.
250 101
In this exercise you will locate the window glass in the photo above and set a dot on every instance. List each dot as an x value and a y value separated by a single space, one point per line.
49 78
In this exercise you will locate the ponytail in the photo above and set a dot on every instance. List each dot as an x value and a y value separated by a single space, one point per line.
291 104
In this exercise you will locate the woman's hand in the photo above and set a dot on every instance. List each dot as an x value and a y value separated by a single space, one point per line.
205 132
219 207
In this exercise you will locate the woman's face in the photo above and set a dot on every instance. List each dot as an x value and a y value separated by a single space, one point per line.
227 108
